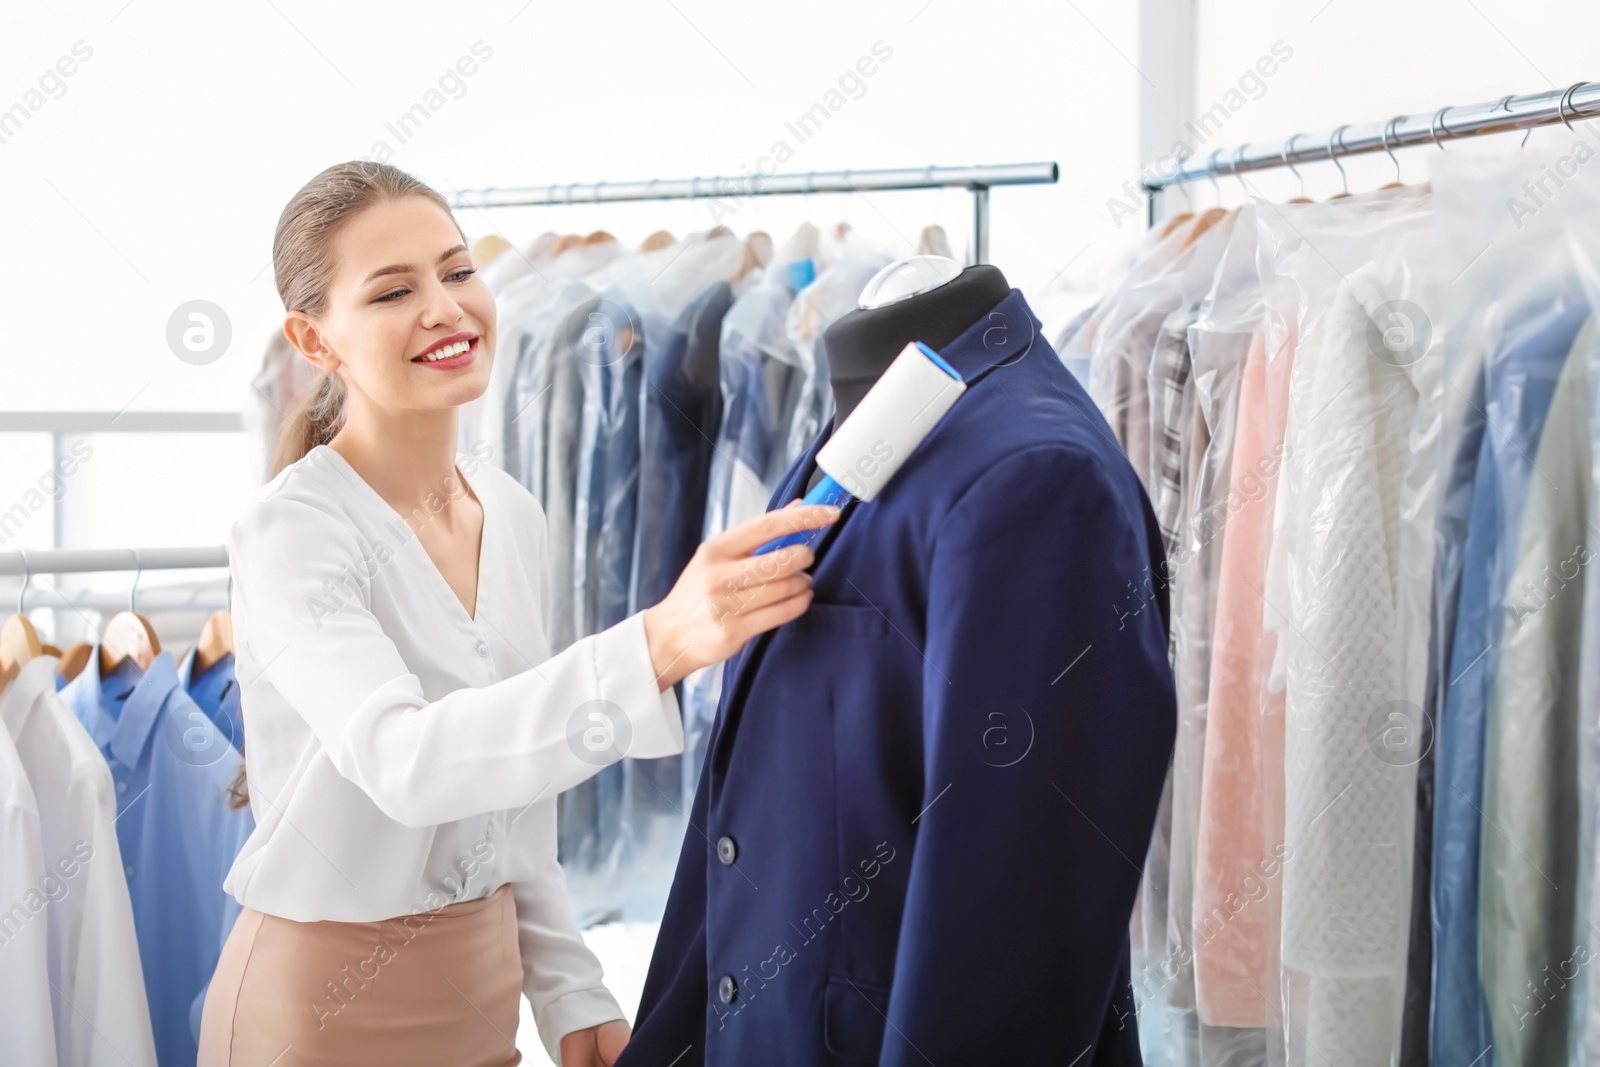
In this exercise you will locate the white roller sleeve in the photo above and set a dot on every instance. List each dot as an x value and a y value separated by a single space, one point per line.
900 409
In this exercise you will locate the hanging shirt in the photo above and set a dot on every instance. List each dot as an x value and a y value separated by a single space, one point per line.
216 691
1528 888
96 986
171 769
27 1024
1520 377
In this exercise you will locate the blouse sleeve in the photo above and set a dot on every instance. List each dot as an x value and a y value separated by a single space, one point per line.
560 975
304 623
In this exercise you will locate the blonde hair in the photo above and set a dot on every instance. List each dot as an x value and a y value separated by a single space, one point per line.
303 268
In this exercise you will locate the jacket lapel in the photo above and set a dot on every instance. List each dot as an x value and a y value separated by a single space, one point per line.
738 668
1002 337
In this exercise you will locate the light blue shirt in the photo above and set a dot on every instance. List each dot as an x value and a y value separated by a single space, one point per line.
1519 379
178 836
216 690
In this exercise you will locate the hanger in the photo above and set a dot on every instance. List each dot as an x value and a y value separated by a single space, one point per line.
718 230
216 641
565 242
1343 178
487 247
19 640
51 650
1388 128
757 253
129 635
1288 147
598 237
75 659
657 241
934 242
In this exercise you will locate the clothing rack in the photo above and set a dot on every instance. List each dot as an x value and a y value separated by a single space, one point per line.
57 561
1580 100
978 179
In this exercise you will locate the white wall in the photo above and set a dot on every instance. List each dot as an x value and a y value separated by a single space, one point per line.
154 174
1361 61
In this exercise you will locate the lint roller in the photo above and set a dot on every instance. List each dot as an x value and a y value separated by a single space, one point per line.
891 421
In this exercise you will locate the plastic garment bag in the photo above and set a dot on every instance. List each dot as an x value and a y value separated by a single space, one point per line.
1583 227
1345 601
619 833
1506 875
1218 341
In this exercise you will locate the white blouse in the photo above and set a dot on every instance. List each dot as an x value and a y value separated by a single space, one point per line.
405 755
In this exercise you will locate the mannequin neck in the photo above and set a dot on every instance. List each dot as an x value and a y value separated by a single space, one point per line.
863 343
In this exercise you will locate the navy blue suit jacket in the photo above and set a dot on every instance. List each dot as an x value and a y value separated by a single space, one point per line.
925 803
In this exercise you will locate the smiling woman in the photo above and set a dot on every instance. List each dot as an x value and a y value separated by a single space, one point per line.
404 705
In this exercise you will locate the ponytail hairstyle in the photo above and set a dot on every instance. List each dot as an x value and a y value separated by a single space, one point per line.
303 268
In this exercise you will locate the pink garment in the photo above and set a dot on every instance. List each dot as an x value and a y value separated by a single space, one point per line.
1240 853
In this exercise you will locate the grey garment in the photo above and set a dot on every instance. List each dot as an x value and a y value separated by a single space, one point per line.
544 410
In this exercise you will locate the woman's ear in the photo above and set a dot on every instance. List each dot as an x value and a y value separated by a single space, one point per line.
308 340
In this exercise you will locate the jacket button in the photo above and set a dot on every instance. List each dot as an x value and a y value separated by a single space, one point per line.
483 649
727 851
727 989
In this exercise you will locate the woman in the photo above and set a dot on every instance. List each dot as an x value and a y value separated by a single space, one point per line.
409 729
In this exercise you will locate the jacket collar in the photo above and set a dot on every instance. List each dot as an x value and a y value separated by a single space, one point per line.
1002 337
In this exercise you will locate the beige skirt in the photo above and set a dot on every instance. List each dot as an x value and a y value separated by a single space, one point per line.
426 989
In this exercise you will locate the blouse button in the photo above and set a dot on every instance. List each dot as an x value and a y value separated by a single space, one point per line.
122 787
483 649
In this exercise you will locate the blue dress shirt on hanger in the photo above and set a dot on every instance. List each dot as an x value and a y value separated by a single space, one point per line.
1519 380
178 836
924 802
216 691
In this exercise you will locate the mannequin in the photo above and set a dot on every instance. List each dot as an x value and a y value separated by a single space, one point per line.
862 343
964 724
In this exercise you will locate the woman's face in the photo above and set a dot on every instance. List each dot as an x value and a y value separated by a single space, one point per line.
403 288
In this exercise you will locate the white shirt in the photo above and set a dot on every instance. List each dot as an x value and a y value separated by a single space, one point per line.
101 1015
404 754
27 1029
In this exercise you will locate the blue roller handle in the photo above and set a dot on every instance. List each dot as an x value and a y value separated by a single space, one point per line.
827 492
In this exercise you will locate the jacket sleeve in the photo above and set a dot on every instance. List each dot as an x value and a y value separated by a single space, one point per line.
304 624
1048 719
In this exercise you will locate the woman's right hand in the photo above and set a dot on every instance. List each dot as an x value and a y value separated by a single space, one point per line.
725 596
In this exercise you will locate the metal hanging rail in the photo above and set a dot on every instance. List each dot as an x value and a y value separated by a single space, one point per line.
979 180
1578 101
88 560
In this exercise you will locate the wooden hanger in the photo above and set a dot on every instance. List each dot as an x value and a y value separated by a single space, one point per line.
1209 219
487 247
718 230
129 635
1288 147
1344 178
216 641
1174 222
1388 128
657 241
934 242
757 253
75 659
598 237
565 242
51 650
19 641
